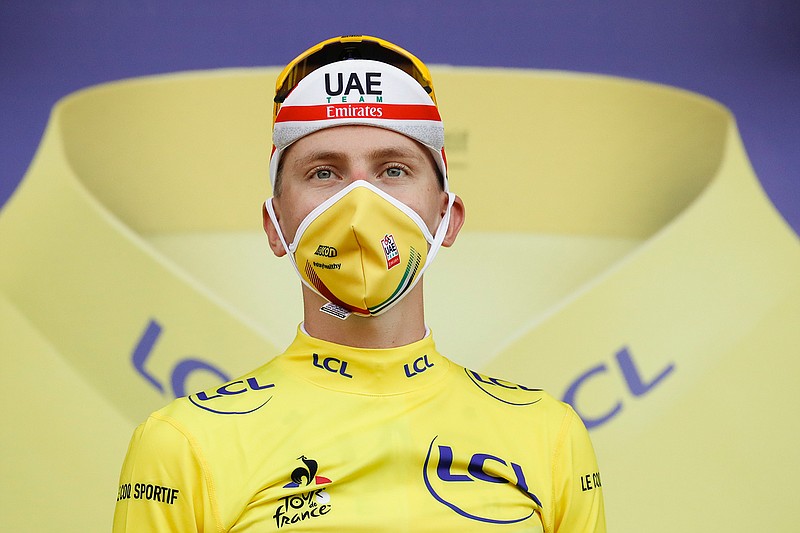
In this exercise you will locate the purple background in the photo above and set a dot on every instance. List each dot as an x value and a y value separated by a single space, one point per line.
743 53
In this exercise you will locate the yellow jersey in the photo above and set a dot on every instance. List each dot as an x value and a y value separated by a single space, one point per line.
327 437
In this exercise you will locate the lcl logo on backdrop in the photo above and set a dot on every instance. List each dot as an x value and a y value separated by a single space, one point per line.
216 402
635 383
465 482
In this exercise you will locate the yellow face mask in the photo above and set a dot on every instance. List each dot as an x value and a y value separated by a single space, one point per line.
362 249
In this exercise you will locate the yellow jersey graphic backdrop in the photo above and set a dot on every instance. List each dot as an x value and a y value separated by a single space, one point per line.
618 252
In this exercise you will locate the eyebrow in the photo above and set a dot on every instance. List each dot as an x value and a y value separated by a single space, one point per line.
320 155
394 153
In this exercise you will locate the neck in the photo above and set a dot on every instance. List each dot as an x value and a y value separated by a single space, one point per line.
403 324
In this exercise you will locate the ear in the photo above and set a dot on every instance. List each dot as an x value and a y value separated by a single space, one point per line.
272 232
457 215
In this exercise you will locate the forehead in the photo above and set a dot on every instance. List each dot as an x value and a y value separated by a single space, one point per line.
352 142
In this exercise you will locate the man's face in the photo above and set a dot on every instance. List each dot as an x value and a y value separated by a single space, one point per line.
321 164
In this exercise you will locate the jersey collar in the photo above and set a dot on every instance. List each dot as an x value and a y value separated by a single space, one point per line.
369 371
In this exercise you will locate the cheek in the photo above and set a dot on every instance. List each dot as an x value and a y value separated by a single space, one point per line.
290 215
430 210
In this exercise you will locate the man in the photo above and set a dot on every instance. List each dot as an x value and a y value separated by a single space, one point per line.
361 424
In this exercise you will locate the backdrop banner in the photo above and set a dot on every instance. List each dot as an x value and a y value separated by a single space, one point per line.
618 252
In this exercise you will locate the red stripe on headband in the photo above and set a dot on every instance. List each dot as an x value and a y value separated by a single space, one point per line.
345 111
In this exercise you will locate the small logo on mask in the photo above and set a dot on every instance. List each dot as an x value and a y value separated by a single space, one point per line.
390 249
326 251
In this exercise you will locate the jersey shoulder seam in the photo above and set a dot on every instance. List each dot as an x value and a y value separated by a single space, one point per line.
563 432
197 451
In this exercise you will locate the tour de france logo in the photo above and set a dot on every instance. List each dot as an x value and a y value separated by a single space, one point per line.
313 503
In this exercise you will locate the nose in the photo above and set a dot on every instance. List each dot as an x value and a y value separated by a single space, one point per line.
358 173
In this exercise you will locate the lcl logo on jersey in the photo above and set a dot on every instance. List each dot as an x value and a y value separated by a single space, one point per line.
331 364
220 400
466 482
420 365
504 391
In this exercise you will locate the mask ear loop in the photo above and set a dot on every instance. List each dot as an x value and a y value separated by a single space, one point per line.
441 231
274 218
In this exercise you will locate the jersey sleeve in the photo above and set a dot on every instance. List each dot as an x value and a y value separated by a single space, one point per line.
578 492
162 485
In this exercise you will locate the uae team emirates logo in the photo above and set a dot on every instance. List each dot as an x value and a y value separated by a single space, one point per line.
313 503
390 250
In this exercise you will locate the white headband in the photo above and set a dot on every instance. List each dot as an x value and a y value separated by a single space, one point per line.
359 92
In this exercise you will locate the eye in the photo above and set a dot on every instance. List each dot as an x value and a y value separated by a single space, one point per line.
323 174
395 171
